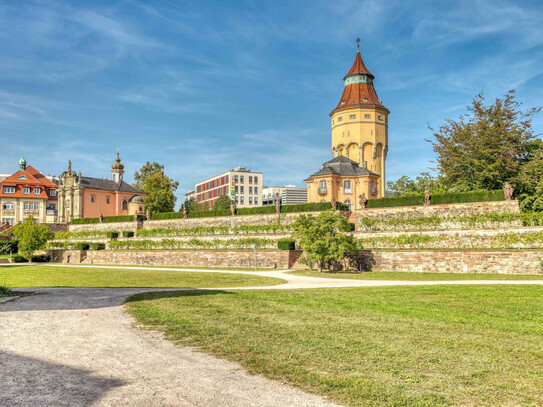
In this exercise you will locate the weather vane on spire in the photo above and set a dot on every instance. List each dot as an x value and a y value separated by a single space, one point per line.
357 42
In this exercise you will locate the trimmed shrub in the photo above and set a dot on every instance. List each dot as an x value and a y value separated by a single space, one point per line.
112 235
17 258
307 207
9 246
352 227
81 246
286 244
167 215
107 219
437 199
342 206
256 211
97 246
128 233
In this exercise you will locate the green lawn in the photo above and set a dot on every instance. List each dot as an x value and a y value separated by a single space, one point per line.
399 275
397 346
51 276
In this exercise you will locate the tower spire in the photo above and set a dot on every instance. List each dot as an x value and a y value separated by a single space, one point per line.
357 44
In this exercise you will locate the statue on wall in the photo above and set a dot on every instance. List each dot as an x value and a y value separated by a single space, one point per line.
427 197
334 203
233 208
148 214
508 191
277 206
101 217
185 213
363 201
69 166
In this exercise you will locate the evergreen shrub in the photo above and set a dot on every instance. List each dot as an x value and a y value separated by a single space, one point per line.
128 233
112 235
81 246
286 244
97 246
437 199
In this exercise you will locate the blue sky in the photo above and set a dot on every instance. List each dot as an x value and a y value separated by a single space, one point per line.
204 86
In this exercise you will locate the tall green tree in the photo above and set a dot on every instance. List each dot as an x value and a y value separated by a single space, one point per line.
158 187
223 202
321 238
32 237
159 192
488 146
406 186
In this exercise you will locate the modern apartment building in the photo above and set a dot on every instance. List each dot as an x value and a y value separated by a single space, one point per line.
289 195
240 183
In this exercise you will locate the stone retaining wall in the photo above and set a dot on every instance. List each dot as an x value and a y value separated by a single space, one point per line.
453 261
457 209
281 259
228 221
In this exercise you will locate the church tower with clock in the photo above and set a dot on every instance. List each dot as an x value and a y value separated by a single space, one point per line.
359 144
360 122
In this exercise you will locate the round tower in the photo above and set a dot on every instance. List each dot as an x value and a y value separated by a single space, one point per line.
360 122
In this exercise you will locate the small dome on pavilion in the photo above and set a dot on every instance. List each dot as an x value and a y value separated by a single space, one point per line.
117 165
136 199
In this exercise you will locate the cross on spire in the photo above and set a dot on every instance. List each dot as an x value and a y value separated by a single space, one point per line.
358 42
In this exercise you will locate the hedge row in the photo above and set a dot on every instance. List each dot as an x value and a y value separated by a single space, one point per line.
107 219
286 244
458 197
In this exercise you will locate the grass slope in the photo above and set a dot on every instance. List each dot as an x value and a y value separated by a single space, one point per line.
401 346
400 275
51 276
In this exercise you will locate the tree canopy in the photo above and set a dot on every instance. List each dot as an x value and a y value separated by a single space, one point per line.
320 237
158 187
32 237
223 202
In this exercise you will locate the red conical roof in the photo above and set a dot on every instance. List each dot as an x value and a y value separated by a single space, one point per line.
360 93
358 67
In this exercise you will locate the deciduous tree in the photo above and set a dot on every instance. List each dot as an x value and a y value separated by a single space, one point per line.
320 237
32 237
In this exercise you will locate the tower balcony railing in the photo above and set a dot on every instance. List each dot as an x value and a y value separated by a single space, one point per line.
323 190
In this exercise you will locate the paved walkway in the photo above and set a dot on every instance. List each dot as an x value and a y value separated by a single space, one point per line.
76 346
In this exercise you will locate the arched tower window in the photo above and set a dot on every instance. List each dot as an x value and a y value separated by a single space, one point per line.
124 205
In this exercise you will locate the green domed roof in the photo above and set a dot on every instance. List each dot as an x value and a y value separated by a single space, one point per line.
136 199
22 164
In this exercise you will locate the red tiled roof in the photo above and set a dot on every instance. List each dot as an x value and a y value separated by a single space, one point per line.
34 179
358 67
358 94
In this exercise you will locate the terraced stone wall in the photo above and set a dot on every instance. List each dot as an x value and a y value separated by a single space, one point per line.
280 259
452 261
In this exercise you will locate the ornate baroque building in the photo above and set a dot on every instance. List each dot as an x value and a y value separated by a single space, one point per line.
359 143
86 197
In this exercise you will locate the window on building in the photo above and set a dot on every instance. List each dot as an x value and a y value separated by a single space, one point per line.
347 187
250 200
236 189
235 178
322 184
107 199
26 190
256 190
36 206
365 99
37 191
251 190
53 192
22 177
367 116
250 179
241 189
256 180
241 200
348 203
352 116
323 200
340 119
124 205
93 198
241 179
9 190
379 117
8 206
236 199
256 200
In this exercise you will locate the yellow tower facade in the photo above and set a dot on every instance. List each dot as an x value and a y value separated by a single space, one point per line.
360 122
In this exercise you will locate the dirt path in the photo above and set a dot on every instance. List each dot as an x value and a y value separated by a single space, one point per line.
76 346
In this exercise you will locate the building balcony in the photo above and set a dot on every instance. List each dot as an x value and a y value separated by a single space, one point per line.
322 190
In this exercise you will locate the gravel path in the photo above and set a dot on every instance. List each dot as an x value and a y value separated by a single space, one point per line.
76 346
